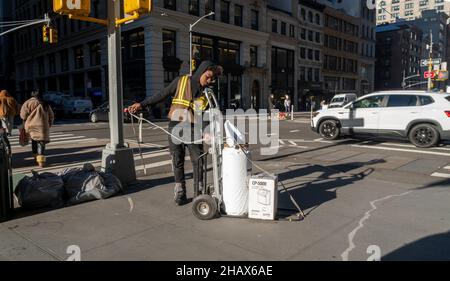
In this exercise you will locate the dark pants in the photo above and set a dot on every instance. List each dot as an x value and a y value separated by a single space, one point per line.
177 151
38 147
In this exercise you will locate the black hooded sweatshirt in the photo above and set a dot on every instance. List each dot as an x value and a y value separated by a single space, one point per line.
171 90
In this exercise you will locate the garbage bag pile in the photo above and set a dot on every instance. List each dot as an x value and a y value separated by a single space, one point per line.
71 186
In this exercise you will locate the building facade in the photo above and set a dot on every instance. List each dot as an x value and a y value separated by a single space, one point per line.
155 49
390 10
310 59
282 27
399 51
6 50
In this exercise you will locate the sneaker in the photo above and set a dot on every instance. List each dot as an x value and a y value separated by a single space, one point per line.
179 194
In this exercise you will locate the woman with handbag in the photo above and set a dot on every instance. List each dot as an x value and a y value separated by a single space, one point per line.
38 117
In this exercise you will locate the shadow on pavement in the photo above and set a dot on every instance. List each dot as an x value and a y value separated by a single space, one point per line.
67 158
441 183
311 192
430 248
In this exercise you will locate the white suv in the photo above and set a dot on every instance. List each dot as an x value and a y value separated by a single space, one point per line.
422 117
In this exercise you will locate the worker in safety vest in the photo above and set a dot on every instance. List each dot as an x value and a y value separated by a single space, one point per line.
188 102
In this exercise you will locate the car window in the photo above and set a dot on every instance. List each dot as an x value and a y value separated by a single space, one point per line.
447 98
337 100
424 100
402 100
370 102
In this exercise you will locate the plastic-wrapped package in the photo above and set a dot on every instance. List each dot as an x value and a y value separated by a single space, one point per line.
40 191
86 184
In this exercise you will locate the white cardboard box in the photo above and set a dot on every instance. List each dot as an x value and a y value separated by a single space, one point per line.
263 197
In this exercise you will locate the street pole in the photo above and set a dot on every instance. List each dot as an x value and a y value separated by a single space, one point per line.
117 158
191 26
430 63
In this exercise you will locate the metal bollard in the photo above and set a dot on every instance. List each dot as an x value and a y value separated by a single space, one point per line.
140 127
292 112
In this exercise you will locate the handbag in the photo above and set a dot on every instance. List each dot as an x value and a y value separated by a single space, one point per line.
24 138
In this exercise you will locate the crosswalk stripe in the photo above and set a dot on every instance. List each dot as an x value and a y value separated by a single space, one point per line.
292 143
447 168
402 150
16 138
282 142
97 163
413 146
441 175
63 142
58 139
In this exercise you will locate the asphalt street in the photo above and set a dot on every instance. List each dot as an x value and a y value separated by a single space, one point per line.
363 199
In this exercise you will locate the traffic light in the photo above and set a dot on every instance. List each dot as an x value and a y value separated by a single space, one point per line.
442 75
74 7
46 34
53 35
140 6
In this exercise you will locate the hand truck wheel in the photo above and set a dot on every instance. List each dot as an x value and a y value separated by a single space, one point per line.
204 207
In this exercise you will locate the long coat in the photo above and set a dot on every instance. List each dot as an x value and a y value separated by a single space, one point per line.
37 120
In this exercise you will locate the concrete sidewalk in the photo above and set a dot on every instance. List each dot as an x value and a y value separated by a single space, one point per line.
144 223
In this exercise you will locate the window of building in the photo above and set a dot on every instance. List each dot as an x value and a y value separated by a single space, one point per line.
78 57
64 60
51 63
283 28
254 20
95 53
274 25
229 52
133 44
41 66
225 11
170 4
210 6
169 43
253 56
238 15
194 7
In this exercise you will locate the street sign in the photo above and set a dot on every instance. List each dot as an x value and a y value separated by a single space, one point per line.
425 62
428 74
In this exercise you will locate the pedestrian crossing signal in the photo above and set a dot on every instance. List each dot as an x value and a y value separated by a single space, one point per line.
46 34
74 7
139 6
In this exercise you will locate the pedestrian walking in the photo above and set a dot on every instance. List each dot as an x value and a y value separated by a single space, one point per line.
187 104
8 109
287 104
38 117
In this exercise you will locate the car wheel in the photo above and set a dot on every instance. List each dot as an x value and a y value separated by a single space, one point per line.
329 130
424 135
94 118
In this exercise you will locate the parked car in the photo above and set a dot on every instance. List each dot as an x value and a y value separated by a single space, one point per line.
341 100
102 112
77 106
422 117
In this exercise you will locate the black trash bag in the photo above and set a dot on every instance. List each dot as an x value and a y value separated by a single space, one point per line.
86 184
40 191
